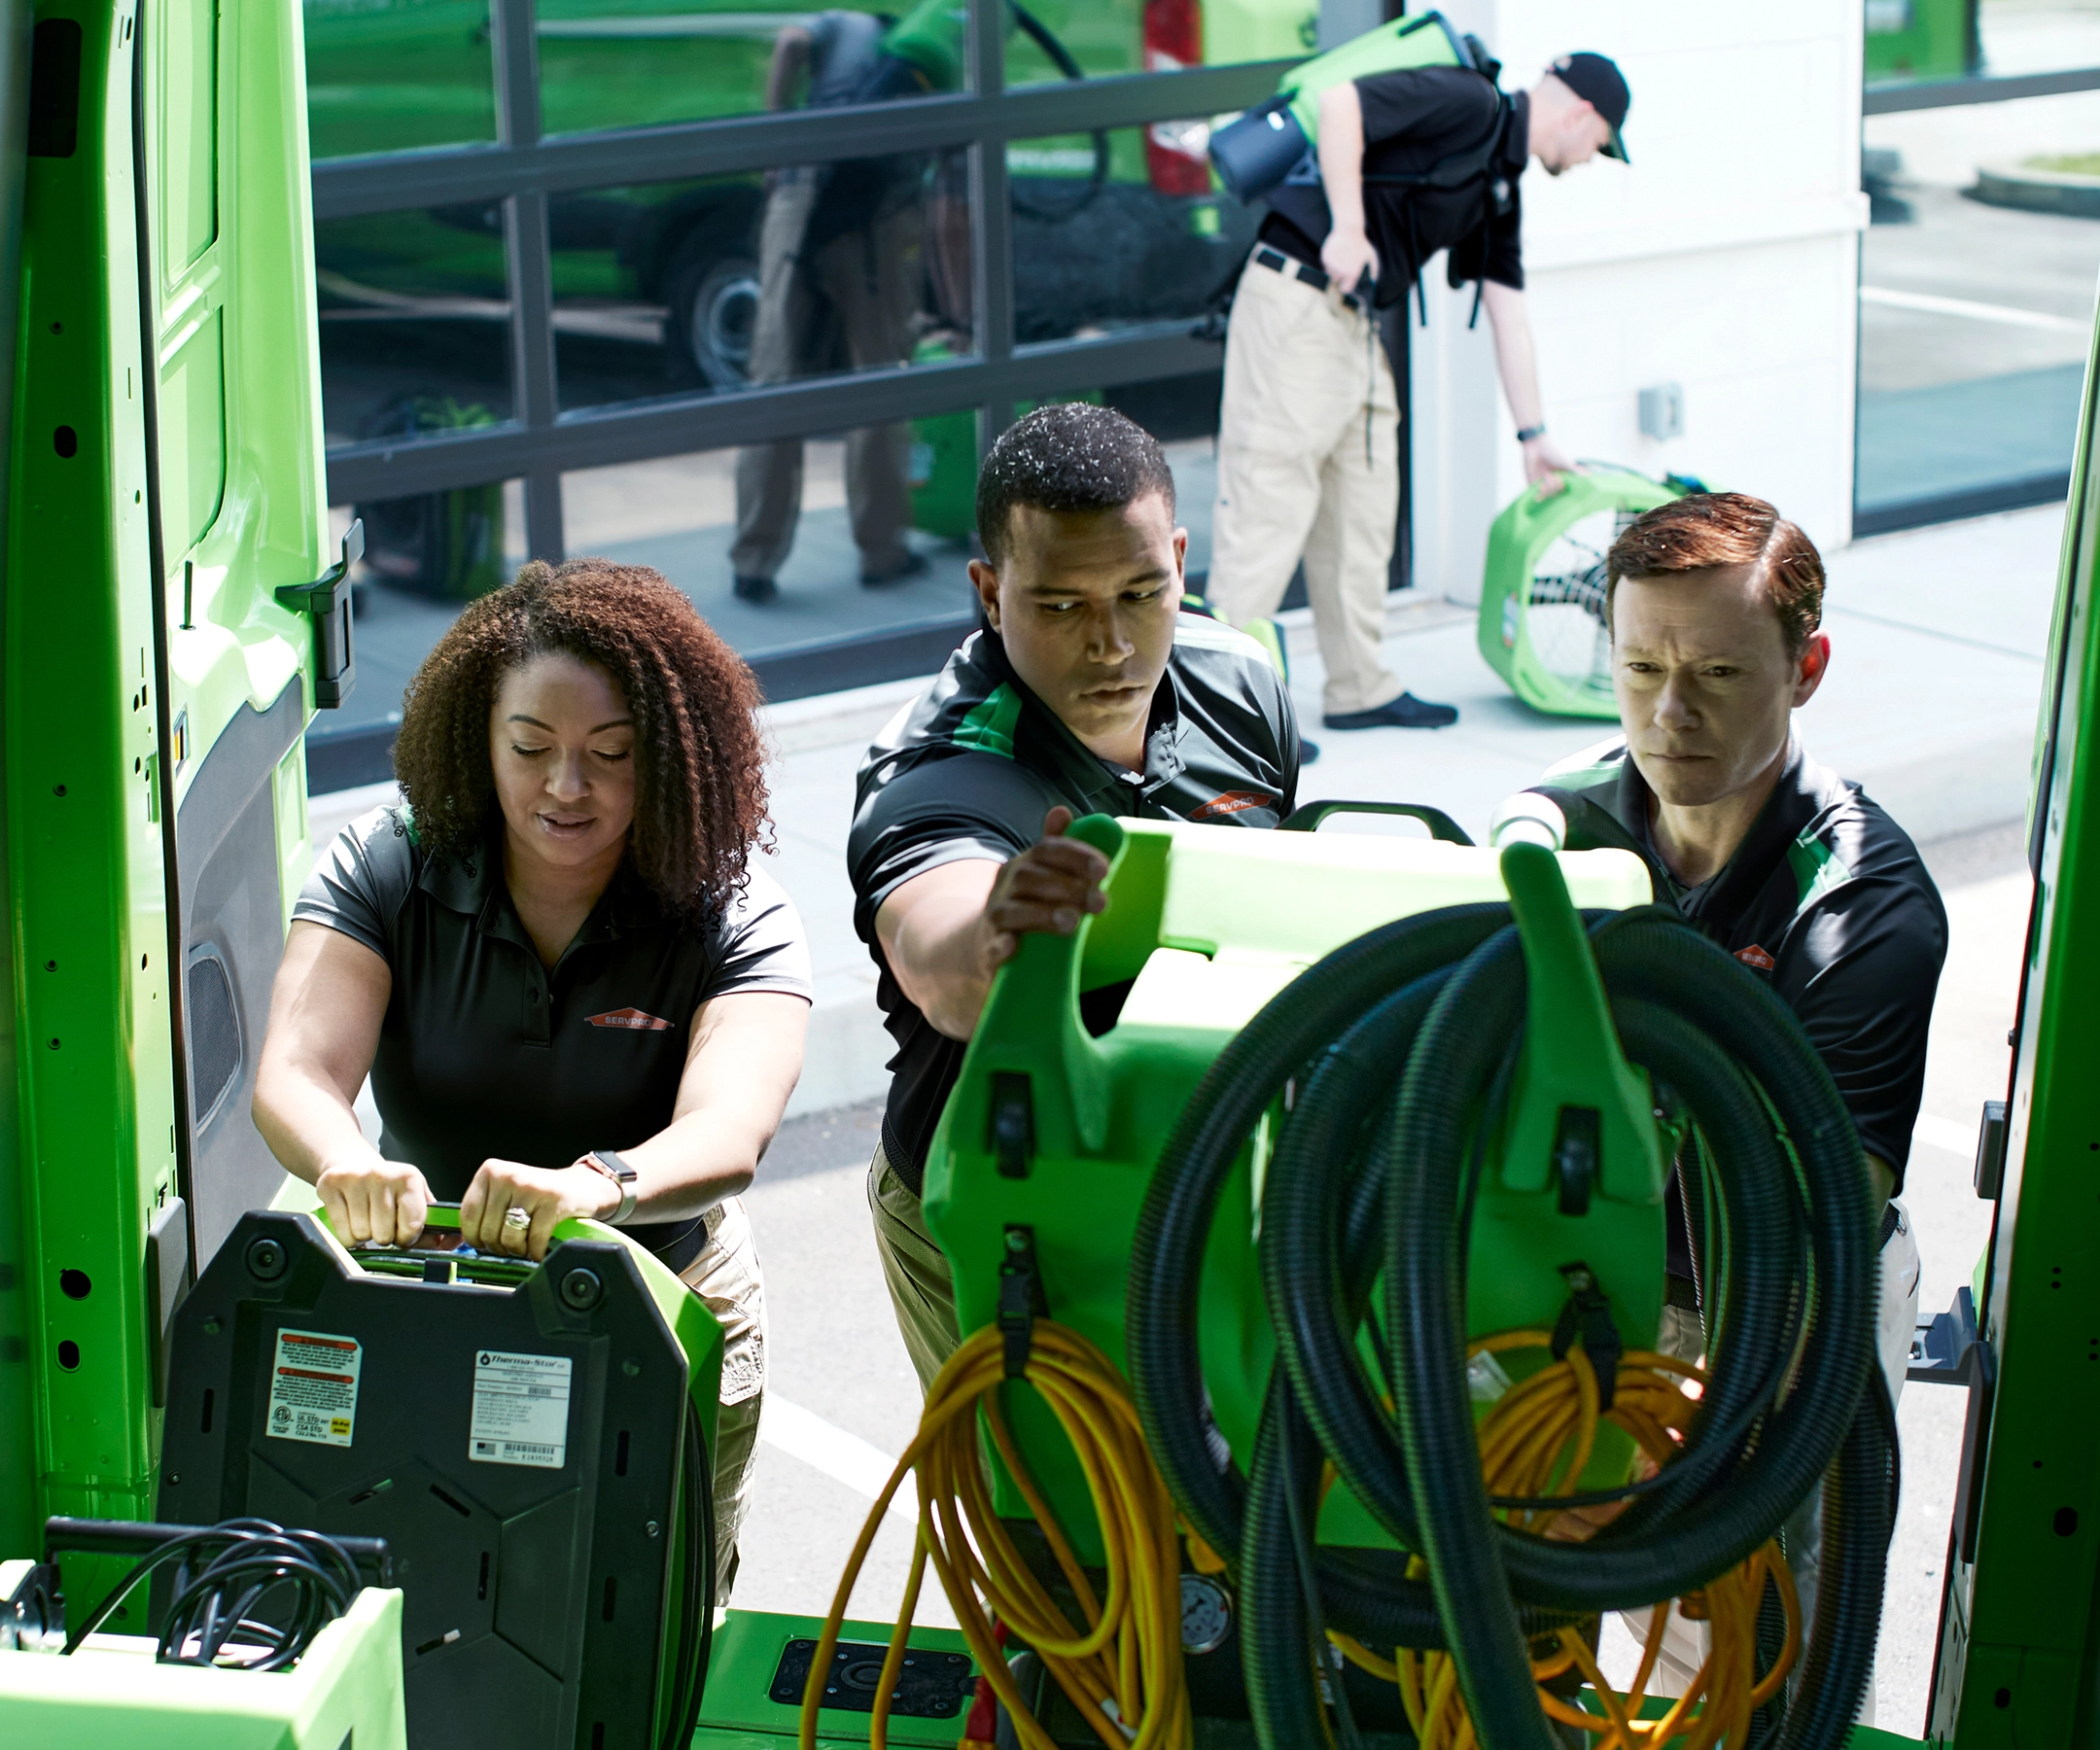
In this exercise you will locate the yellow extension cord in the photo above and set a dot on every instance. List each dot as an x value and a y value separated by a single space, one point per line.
1123 1670
1535 1442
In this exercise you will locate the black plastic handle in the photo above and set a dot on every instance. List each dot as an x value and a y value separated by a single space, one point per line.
1441 826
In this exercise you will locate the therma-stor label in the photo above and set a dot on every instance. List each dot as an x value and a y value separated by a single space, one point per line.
521 1408
313 1388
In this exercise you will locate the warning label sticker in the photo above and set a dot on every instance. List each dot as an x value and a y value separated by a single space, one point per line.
520 1410
313 1388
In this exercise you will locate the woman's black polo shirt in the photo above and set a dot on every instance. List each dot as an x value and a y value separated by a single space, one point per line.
485 1053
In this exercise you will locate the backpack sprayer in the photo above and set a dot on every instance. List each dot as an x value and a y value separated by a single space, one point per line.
1310 1311
1269 143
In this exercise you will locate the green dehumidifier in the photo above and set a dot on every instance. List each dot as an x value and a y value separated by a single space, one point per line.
1542 601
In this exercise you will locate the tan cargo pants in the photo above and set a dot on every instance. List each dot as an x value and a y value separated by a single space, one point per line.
921 1288
727 1278
854 295
1308 467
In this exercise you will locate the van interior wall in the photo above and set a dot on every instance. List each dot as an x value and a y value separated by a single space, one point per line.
1723 259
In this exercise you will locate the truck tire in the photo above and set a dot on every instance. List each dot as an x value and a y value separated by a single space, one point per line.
712 294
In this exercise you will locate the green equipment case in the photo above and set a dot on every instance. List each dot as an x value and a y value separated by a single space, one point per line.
1542 625
1057 1130
112 1694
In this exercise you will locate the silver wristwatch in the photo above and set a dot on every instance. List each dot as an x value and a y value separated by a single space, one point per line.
604 1161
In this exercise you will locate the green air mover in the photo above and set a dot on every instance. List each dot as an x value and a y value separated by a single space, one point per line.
1542 601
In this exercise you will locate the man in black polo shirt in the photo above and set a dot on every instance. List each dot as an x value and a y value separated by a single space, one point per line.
1308 458
1715 605
1087 693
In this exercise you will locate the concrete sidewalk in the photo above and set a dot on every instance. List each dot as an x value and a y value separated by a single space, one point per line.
1938 641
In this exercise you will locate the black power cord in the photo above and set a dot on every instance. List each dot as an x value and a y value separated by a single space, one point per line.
248 1594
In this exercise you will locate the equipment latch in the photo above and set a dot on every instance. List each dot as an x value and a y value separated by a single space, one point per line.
1589 1313
1021 1298
1013 1122
328 599
1990 1152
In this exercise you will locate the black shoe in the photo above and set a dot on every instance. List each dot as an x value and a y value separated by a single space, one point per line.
753 589
912 565
1407 711
1308 750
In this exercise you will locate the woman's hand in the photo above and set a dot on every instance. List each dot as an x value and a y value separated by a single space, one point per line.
546 1195
370 1198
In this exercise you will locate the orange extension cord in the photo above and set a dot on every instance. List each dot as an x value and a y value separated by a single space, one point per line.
1534 1442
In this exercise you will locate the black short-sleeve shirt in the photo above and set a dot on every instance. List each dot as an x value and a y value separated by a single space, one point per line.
1826 899
1414 119
486 1053
968 769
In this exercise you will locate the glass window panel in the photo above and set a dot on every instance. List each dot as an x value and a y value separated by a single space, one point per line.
425 556
808 272
2036 36
627 63
414 322
815 518
1121 227
1974 314
1093 39
394 75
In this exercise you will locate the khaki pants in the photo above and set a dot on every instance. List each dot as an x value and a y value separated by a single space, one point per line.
727 1278
854 295
921 1288
1308 467
1685 1643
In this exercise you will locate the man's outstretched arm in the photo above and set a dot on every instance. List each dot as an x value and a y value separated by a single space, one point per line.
946 932
1516 358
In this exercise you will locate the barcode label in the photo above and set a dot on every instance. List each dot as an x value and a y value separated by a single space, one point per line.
521 1408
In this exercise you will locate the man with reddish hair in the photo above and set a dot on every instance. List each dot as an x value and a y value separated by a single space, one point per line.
1715 605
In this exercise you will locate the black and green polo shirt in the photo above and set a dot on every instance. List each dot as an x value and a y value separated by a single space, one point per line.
1825 899
485 1053
968 769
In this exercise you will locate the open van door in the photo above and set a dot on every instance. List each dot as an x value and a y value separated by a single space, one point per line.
165 530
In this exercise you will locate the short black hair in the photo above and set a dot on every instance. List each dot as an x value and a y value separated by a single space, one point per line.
1073 456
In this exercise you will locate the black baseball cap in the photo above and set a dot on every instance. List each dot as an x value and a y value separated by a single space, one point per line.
1596 78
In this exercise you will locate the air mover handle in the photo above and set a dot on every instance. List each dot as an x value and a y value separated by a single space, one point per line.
1441 826
1571 1058
1029 1035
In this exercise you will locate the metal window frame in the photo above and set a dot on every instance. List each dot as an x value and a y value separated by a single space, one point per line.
524 167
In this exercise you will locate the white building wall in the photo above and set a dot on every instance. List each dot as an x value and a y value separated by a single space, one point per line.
1724 258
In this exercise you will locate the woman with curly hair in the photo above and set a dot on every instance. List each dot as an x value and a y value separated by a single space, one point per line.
572 992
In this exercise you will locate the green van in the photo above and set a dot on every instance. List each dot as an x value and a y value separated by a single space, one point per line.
656 287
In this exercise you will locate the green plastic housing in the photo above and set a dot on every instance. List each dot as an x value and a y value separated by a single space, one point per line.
112 1694
1424 41
1211 921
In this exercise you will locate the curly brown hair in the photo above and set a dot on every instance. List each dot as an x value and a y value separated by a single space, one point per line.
700 793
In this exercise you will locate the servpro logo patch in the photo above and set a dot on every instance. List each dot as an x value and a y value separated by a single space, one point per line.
1230 803
633 1018
1754 956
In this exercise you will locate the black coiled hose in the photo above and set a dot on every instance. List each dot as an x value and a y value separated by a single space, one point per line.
1367 1180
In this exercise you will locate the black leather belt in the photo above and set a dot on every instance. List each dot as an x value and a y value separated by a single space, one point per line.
1276 261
